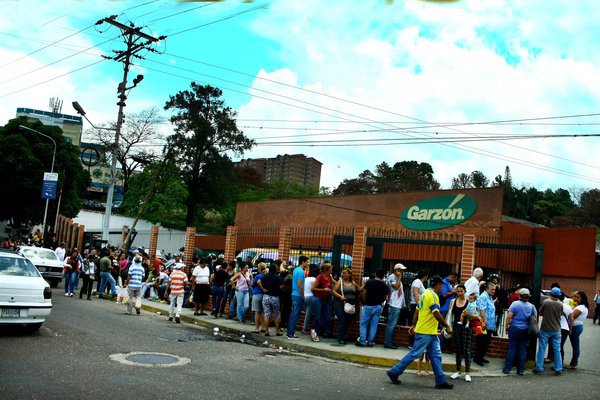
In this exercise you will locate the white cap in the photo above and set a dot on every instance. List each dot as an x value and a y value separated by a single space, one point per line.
399 267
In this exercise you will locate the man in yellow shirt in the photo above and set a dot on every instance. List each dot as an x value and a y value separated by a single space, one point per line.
425 324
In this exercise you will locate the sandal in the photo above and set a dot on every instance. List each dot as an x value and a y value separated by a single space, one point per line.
419 373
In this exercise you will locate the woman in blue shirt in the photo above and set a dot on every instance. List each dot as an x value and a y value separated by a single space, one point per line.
517 324
488 315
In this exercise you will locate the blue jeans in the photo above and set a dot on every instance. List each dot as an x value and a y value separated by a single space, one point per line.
107 277
322 316
74 279
393 314
574 338
554 339
242 298
517 346
67 276
369 318
343 320
297 302
307 313
430 343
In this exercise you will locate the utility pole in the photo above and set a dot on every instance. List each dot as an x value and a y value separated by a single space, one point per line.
135 40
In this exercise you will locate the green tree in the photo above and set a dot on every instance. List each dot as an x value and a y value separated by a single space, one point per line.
590 206
205 129
479 180
26 156
462 181
364 184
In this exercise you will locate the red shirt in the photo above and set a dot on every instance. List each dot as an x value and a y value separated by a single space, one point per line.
157 263
322 283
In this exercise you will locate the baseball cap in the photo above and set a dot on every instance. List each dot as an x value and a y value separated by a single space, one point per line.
399 266
435 280
524 292
555 292
221 256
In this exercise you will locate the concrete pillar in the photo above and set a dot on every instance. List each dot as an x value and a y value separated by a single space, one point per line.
153 242
73 237
467 257
359 252
80 238
230 243
68 233
285 244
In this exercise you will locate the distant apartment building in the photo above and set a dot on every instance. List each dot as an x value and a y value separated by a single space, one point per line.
71 125
296 168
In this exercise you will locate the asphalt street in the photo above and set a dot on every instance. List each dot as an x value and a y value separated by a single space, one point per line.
70 358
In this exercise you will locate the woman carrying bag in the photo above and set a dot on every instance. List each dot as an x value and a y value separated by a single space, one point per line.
344 303
463 334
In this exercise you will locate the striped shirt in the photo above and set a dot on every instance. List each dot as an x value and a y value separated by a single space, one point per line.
136 270
178 279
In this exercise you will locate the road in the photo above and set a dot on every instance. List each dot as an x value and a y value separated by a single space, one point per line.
69 358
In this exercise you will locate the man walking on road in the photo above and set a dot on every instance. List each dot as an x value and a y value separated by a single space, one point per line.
551 310
134 284
177 281
425 328
297 296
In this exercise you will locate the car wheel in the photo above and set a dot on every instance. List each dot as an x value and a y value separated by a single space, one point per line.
54 284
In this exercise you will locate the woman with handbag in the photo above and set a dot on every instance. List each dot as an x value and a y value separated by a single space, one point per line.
518 320
344 303
88 276
463 334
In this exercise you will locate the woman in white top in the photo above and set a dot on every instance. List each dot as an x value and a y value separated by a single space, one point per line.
580 313
308 295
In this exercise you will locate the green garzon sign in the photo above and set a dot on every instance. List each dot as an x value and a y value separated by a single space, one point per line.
438 212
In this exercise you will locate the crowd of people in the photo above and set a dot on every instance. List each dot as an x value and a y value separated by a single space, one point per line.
435 308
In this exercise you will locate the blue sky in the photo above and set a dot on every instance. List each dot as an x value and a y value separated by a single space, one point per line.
328 73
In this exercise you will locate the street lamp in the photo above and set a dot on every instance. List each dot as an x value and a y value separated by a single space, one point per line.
113 173
51 171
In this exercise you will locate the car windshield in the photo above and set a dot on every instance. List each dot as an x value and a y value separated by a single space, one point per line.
17 267
44 254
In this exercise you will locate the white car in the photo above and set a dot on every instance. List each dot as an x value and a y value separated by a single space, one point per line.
25 297
46 261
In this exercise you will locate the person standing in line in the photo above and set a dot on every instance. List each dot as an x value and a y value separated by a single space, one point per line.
551 310
272 287
375 292
446 295
241 280
566 325
257 296
344 292
517 326
322 289
308 295
580 313
177 281
229 291
297 296
487 309
474 282
218 279
200 286
88 276
462 332
105 276
123 264
597 308
417 288
425 322
133 283
395 304
61 252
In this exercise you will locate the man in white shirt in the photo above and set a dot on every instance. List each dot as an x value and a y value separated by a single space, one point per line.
396 303
61 252
472 284
200 286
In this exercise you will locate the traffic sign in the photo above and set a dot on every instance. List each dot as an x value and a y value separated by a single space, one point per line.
49 185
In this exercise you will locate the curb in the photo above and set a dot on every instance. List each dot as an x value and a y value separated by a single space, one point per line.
384 362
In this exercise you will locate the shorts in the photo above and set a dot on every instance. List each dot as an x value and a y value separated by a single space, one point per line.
257 305
271 306
201 293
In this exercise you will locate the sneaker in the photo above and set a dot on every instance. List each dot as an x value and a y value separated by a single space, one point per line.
393 378
137 311
170 319
445 385
359 344
455 375
467 378
66 294
537 371
70 294
177 320
293 337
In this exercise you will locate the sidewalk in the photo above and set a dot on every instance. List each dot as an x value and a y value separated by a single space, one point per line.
328 348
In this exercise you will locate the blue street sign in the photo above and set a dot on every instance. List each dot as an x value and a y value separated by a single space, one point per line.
49 185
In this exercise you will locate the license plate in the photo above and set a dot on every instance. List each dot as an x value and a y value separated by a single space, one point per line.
11 313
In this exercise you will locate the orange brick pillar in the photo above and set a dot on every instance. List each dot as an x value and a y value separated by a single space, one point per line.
124 234
58 227
359 251
285 244
63 230
467 257
190 239
153 242
231 243
80 238
73 237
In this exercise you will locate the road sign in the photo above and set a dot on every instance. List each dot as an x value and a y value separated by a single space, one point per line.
49 185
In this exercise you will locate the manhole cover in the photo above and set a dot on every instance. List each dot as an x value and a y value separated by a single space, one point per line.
146 359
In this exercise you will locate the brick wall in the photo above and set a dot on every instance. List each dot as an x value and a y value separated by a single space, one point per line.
359 250
468 257
230 243
153 242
